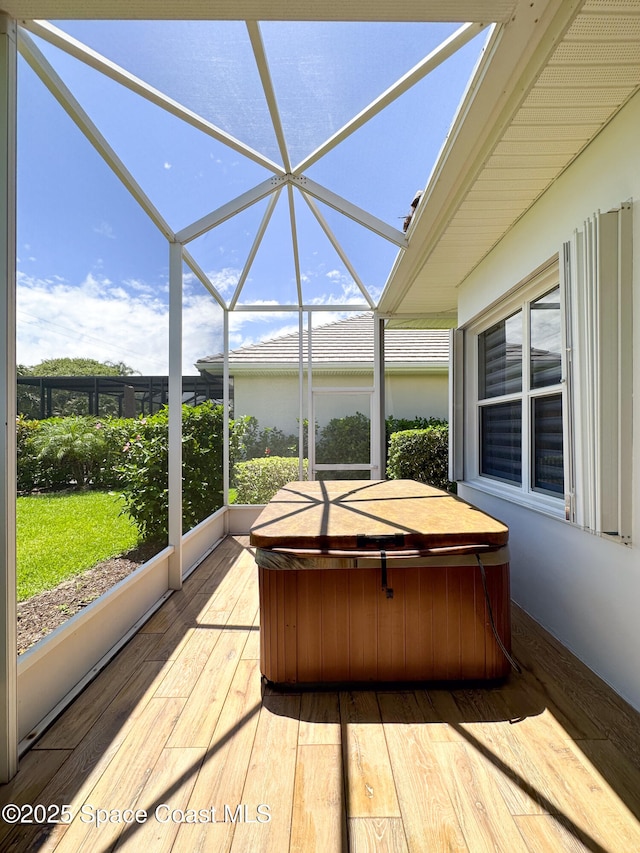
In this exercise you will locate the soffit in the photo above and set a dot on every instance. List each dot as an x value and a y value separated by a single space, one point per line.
587 76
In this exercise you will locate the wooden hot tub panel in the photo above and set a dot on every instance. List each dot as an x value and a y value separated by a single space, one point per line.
329 553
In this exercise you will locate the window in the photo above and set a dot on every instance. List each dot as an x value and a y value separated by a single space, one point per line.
543 414
520 393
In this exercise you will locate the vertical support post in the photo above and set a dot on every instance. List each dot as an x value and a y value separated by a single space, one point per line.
175 414
225 410
311 436
378 432
8 614
456 405
300 396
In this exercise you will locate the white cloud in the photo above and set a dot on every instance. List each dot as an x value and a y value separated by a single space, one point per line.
128 321
105 229
166 165
56 318
224 280
139 286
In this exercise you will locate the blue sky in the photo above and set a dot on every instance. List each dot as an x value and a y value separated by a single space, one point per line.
93 269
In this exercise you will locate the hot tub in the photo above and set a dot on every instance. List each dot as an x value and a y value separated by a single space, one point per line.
380 581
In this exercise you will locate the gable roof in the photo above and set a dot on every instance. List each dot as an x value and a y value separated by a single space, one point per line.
346 345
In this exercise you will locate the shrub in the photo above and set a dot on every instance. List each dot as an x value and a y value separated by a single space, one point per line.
144 478
27 463
421 454
344 440
45 449
268 441
400 424
68 451
257 480
143 471
116 433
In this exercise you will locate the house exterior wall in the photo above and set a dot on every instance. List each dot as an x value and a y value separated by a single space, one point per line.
408 395
274 400
583 588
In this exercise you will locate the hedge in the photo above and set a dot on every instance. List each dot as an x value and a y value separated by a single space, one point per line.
143 472
257 480
130 455
421 454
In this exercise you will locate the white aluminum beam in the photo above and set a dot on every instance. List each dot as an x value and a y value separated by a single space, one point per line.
63 95
255 246
300 396
74 48
311 414
294 240
272 306
226 211
226 462
175 415
448 47
368 220
336 245
202 277
378 426
265 10
8 614
265 76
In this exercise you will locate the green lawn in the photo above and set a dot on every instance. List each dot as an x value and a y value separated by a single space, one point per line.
61 535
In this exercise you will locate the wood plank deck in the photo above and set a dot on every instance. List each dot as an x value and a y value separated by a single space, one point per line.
178 746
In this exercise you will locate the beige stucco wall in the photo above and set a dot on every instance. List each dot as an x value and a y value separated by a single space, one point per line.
274 400
408 395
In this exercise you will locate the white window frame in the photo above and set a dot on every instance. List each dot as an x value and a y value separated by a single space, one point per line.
595 275
519 299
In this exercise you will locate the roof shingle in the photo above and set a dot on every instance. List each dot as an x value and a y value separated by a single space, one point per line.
347 341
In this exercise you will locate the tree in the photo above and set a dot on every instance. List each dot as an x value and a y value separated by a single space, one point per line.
67 366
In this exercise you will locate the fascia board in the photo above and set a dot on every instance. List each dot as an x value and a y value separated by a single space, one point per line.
513 59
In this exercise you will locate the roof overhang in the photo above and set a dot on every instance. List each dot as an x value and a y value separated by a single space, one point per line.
264 10
550 80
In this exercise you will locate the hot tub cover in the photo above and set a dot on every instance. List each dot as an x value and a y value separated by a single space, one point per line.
355 515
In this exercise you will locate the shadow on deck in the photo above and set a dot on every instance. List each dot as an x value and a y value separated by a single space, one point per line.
178 745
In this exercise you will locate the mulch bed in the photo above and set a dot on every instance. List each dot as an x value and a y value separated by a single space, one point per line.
38 616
